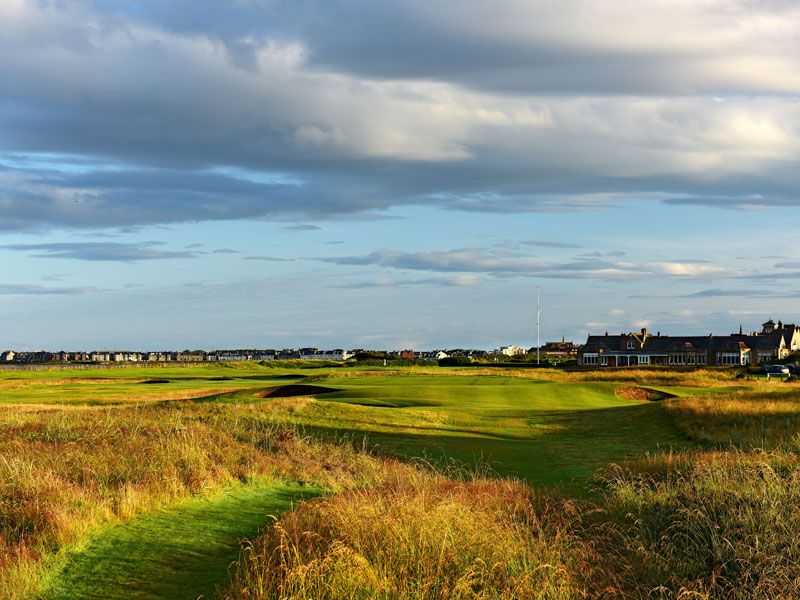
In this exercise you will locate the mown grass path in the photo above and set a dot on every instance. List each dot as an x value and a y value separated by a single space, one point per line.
180 552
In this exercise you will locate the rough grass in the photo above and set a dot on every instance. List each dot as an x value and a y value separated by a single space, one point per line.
748 419
701 525
420 537
717 521
64 473
718 524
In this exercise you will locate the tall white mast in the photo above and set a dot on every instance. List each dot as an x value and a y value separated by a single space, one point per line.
538 321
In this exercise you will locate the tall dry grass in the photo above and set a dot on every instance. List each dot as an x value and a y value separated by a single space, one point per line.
745 419
64 472
424 536
700 525
716 522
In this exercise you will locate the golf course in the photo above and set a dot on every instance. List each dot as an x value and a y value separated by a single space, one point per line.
259 481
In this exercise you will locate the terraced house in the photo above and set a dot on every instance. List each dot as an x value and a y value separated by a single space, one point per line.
773 342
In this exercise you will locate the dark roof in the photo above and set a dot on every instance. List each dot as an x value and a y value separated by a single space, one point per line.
603 343
764 341
703 343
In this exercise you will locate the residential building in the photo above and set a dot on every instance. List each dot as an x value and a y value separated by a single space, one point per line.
643 348
511 350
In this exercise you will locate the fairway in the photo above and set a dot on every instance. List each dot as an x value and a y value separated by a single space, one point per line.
140 384
179 553
544 432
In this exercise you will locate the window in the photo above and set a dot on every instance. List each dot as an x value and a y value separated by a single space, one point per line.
604 361
631 344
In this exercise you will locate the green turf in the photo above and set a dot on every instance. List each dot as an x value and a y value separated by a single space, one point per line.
136 384
545 432
181 552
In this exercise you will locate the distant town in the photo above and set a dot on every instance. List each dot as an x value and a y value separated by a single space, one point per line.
773 342
335 355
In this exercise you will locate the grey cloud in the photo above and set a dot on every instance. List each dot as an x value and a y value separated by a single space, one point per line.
302 227
453 281
38 290
549 244
610 253
726 293
100 251
477 260
226 251
573 46
268 258
185 112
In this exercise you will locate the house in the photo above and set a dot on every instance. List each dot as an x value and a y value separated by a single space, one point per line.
511 350
8 356
644 348
562 348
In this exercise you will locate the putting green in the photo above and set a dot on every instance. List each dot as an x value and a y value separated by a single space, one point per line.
544 432
182 552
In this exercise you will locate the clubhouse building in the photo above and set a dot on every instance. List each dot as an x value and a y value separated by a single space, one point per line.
773 342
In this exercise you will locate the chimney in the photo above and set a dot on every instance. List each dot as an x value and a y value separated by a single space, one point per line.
644 331
658 334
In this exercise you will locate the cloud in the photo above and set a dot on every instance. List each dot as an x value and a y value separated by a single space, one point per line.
720 46
268 258
38 290
226 251
726 293
100 251
503 264
389 282
297 111
302 227
549 244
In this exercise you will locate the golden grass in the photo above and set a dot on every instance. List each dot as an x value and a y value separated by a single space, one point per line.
746 419
711 523
64 472
721 524
423 536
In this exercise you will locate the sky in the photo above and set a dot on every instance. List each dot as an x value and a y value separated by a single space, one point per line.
374 174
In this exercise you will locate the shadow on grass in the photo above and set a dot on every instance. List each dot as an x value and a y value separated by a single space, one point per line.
567 451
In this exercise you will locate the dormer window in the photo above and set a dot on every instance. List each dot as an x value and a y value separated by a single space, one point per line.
631 344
